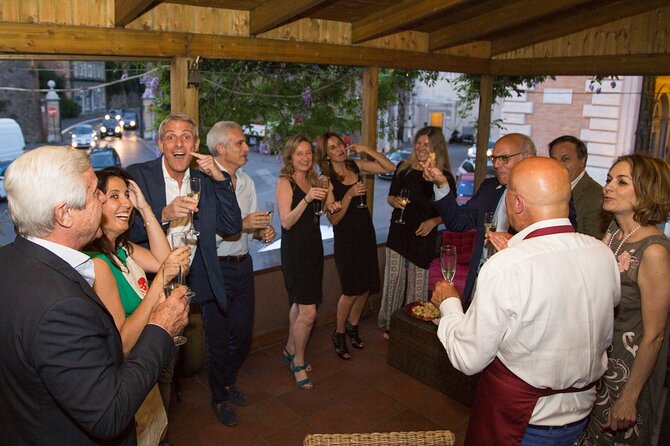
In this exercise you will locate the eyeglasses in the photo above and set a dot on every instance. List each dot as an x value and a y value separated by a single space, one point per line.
503 158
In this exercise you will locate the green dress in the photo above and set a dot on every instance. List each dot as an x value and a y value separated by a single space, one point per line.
129 297
621 356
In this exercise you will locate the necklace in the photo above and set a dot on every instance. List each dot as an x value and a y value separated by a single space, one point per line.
623 240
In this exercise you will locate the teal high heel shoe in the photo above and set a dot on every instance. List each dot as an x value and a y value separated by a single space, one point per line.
305 383
288 359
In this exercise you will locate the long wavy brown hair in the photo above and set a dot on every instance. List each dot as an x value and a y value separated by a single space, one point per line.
437 143
322 155
290 147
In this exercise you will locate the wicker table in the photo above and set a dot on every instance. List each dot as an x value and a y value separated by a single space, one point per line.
415 350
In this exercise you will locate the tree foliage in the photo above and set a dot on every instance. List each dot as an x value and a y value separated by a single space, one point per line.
290 98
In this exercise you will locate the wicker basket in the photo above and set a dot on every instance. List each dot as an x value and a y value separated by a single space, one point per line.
424 438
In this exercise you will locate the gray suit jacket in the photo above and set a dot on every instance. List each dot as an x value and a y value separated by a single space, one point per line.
588 199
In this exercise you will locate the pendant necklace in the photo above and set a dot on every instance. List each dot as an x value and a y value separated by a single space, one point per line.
623 240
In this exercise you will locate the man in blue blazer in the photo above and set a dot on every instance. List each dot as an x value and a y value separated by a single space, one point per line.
63 377
507 152
164 182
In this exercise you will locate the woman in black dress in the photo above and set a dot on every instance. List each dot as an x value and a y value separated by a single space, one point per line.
410 247
301 248
355 240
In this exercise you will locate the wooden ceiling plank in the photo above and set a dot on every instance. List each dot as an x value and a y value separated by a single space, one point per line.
507 16
632 64
397 17
273 13
65 41
572 23
125 11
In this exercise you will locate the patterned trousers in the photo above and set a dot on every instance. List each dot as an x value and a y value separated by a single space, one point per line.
404 282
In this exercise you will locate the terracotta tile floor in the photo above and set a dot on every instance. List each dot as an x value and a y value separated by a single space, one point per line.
363 394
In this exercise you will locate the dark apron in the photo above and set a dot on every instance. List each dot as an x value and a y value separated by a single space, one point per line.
504 402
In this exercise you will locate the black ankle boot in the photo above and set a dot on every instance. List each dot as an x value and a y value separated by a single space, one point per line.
352 331
340 343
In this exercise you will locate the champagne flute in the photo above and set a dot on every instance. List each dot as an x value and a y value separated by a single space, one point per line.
361 178
404 201
489 226
173 278
184 239
194 192
323 182
269 207
448 262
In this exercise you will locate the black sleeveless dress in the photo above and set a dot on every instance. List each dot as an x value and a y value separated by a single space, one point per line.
302 256
355 246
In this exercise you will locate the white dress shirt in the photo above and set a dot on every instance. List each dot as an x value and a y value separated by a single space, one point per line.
76 259
245 192
544 307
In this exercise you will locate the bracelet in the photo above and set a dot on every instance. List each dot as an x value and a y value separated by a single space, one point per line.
305 200
148 222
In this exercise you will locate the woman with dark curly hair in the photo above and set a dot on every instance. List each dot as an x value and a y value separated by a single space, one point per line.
637 193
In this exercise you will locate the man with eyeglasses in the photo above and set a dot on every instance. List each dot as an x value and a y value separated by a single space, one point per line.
508 151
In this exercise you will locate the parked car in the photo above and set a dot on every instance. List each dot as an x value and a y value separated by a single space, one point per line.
111 127
83 137
12 145
396 158
105 156
465 188
130 121
115 113
468 164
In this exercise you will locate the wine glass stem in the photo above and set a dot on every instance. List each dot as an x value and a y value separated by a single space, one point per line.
402 213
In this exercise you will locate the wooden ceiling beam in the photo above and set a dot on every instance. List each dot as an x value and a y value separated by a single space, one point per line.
572 23
64 41
397 17
125 11
274 13
508 16
632 64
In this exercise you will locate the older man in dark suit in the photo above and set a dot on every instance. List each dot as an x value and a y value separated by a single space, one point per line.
63 377
507 152
164 182
587 194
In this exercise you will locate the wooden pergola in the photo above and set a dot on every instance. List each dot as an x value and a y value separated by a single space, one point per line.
487 37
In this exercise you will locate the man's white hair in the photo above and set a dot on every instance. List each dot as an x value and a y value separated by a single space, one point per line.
220 134
40 180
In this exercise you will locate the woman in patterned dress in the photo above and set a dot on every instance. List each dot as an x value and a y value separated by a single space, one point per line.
637 193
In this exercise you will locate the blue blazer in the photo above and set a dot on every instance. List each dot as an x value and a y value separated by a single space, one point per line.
218 212
63 377
471 216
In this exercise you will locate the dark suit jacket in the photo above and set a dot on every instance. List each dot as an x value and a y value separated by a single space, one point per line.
63 378
218 212
588 198
471 216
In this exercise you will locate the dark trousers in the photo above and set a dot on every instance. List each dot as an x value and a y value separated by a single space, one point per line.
228 335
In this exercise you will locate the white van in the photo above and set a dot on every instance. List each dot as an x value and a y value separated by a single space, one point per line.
12 145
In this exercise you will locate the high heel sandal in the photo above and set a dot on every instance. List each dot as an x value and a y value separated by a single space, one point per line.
304 383
352 331
340 343
288 359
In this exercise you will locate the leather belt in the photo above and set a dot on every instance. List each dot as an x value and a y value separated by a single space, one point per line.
234 259
547 428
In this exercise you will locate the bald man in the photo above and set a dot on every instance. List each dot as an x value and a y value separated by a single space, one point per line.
540 321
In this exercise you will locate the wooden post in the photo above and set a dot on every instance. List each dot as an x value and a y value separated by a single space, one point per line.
182 99
369 124
483 126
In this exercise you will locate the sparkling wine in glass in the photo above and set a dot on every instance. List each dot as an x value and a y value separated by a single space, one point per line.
269 207
184 239
194 192
173 278
361 178
448 262
404 201
323 182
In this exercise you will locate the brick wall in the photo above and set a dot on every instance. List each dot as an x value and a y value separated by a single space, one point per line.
24 107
